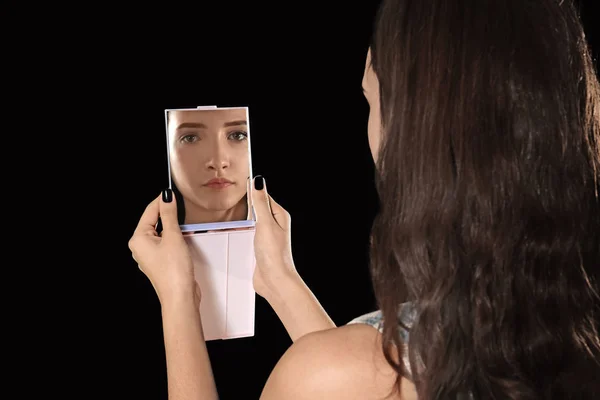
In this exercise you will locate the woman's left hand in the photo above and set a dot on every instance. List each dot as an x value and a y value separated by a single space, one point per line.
165 259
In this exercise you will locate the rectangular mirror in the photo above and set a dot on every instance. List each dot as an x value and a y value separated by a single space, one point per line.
210 166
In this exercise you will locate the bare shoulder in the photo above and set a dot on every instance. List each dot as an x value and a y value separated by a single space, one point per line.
340 363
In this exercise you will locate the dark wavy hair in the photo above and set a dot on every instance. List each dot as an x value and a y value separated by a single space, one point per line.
489 215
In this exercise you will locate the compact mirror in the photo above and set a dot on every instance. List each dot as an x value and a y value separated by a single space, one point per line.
210 167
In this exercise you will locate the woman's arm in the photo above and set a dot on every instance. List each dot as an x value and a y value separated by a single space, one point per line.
297 307
165 260
276 278
189 372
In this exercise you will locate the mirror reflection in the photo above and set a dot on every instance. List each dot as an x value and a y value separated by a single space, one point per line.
209 163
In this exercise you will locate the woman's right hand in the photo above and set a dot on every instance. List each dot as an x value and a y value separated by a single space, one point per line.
272 242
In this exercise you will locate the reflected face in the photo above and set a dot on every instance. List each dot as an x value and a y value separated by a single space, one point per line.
370 85
209 157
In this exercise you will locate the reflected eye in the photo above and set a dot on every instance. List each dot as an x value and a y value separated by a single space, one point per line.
238 136
189 138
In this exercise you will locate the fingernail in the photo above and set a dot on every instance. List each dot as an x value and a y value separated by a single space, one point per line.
259 182
167 195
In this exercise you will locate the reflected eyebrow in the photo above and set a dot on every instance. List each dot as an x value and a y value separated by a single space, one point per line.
203 126
191 125
235 123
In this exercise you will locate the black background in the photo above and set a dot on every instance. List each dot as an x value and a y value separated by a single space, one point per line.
101 75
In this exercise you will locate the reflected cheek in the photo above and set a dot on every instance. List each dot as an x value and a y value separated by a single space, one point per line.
188 162
190 154
238 172
240 161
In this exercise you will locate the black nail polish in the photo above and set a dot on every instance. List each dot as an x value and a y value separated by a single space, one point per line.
259 182
167 195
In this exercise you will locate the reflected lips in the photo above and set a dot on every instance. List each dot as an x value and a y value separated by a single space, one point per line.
218 183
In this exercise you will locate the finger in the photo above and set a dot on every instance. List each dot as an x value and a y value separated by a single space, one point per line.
148 219
280 214
132 247
260 200
168 212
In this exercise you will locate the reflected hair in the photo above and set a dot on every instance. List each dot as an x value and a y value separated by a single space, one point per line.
176 192
489 218
180 203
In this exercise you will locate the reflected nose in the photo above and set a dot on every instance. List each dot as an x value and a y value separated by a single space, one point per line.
219 159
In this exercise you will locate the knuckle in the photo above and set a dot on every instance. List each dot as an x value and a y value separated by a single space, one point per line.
131 243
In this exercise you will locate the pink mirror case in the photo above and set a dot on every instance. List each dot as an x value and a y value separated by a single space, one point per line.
224 266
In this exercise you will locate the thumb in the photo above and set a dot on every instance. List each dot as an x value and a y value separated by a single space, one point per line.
168 212
280 214
260 199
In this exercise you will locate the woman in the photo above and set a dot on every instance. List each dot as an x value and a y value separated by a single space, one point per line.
485 127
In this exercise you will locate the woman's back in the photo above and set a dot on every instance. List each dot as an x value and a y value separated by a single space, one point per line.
406 318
